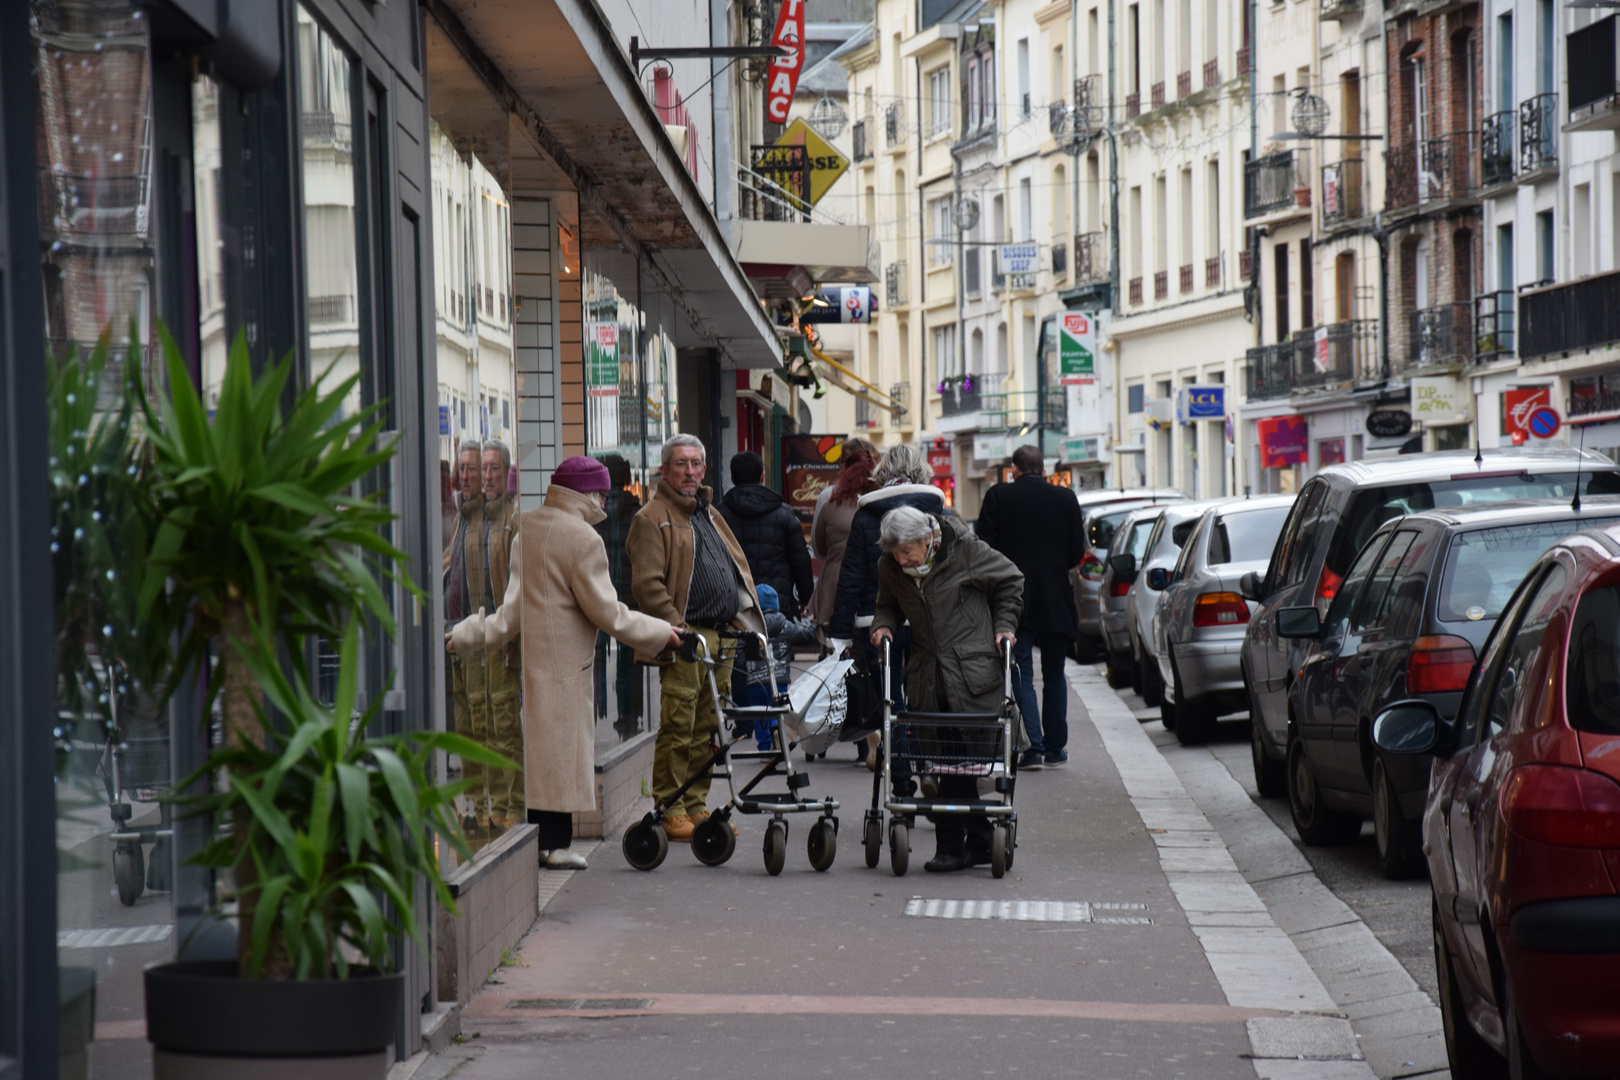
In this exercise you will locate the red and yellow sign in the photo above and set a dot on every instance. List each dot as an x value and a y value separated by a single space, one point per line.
784 70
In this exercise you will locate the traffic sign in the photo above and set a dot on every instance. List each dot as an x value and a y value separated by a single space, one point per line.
1544 422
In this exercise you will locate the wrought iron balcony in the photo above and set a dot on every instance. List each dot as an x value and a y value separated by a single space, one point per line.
1493 325
1136 291
1090 104
1349 354
1496 149
1440 335
1244 57
866 414
1133 105
1275 182
1269 372
894 284
1186 279
1157 91
962 394
1566 318
857 133
1214 271
1246 265
1593 402
1343 192
1161 284
894 123
1538 133
1212 73
1183 85
1090 258
900 395
1449 167
776 186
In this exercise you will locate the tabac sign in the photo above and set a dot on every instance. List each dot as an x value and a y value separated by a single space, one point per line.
784 70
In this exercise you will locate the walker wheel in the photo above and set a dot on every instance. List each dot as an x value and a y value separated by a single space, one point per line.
713 842
1012 840
645 844
129 872
775 846
823 844
872 838
899 847
998 851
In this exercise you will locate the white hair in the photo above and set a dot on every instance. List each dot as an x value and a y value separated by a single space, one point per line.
904 525
903 461
469 446
502 449
683 439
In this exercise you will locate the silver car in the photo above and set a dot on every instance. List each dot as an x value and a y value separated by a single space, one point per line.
1130 537
1202 616
1170 531
1099 510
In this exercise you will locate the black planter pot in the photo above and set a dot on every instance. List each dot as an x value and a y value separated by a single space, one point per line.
204 1022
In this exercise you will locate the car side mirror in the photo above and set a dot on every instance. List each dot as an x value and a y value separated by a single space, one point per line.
1299 622
1123 564
1253 586
1407 727
1158 578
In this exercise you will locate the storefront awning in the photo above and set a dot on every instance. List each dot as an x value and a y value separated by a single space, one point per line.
556 67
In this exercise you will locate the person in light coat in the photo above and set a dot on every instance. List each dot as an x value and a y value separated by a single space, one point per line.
558 595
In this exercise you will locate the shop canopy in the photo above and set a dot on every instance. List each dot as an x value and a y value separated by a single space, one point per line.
553 69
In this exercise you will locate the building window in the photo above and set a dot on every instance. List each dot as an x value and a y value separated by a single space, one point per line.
1133 397
946 360
1279 255
1024 104
1544 246
972 115
939 100
942 239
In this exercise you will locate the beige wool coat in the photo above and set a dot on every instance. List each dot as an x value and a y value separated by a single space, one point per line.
558 595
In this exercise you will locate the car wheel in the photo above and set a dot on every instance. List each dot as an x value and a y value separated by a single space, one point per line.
1195 720
1469 1054
1400 845
1152 684
1120 675
1270 775
1167 711
1318 824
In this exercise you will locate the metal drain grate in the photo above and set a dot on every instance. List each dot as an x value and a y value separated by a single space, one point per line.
1071 911
581 1004
109 936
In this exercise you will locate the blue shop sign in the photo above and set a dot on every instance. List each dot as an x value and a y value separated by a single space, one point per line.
1202 403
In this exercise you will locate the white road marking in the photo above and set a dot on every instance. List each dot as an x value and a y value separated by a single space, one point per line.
1069 911
106 937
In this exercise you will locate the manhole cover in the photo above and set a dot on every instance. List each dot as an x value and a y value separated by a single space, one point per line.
580 1004
1072 911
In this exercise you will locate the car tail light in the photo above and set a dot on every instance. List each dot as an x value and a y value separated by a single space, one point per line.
1091 568
1327 586
1120 587
1438 663
1220 609
1567 807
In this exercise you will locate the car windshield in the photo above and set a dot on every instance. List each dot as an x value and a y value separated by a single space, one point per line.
1484 566
1250 535
1374 506
1593 683
1100 529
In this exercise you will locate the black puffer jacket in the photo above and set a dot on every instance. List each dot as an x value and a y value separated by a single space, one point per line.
857 581
773 540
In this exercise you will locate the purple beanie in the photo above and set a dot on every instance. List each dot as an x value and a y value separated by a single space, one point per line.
582 474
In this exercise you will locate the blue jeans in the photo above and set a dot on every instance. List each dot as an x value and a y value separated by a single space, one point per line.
1052 735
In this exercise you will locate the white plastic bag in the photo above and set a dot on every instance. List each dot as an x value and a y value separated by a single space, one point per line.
820 700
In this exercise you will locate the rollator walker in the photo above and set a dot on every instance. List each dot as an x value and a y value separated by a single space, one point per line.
937 745
645 843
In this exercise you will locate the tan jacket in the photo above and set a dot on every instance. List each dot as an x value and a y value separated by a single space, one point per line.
661 550
558 596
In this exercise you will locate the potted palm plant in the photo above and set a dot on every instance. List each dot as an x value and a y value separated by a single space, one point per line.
261 542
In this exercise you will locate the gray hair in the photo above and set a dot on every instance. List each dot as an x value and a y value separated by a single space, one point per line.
469 446
904 525
497 445
903 461
683 439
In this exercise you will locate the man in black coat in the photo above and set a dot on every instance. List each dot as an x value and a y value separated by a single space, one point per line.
770 534
1039 527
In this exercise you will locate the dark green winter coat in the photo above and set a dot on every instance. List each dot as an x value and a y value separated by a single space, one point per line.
972 594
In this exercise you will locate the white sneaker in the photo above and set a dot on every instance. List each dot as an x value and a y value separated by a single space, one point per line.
563 859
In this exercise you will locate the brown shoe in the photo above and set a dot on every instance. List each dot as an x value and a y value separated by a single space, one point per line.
678 828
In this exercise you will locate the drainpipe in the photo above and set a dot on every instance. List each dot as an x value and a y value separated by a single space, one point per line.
1113 174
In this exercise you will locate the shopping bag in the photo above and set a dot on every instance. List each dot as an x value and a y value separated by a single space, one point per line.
819 699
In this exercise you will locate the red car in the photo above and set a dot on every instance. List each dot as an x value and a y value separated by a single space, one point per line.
1522 826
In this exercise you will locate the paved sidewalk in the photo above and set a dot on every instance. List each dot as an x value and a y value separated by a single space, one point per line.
729 972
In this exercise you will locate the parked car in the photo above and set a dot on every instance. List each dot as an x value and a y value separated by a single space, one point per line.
1175 523
1102 511
1129 537
1202 616
1411 616
1522 826
1335 514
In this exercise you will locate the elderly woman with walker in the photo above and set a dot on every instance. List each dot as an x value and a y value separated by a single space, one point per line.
962 600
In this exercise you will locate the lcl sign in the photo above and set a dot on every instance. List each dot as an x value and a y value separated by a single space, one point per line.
1201 403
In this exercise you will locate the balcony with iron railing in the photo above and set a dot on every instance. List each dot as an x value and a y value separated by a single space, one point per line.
861 149
1161 284
1090 258
1244 58
1343 193
866 414
1135 290
1246 265
1186 278
1438 337
1269 372
1496 149
894 284
1090 104
894 124
1449 167
1214 272
1060 256
1133 105
1570 317
1212 74
900 403
776 184
963 394
1493 325
1275 183
1183 85
1538 136
1340 11
1157 91
1593 402
1348 355
1015 409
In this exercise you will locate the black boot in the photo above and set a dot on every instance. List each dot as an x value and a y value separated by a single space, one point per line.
950 846
944 862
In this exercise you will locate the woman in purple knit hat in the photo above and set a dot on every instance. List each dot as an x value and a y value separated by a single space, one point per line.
558 596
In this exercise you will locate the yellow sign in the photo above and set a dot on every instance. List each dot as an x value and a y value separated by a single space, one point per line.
826 164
